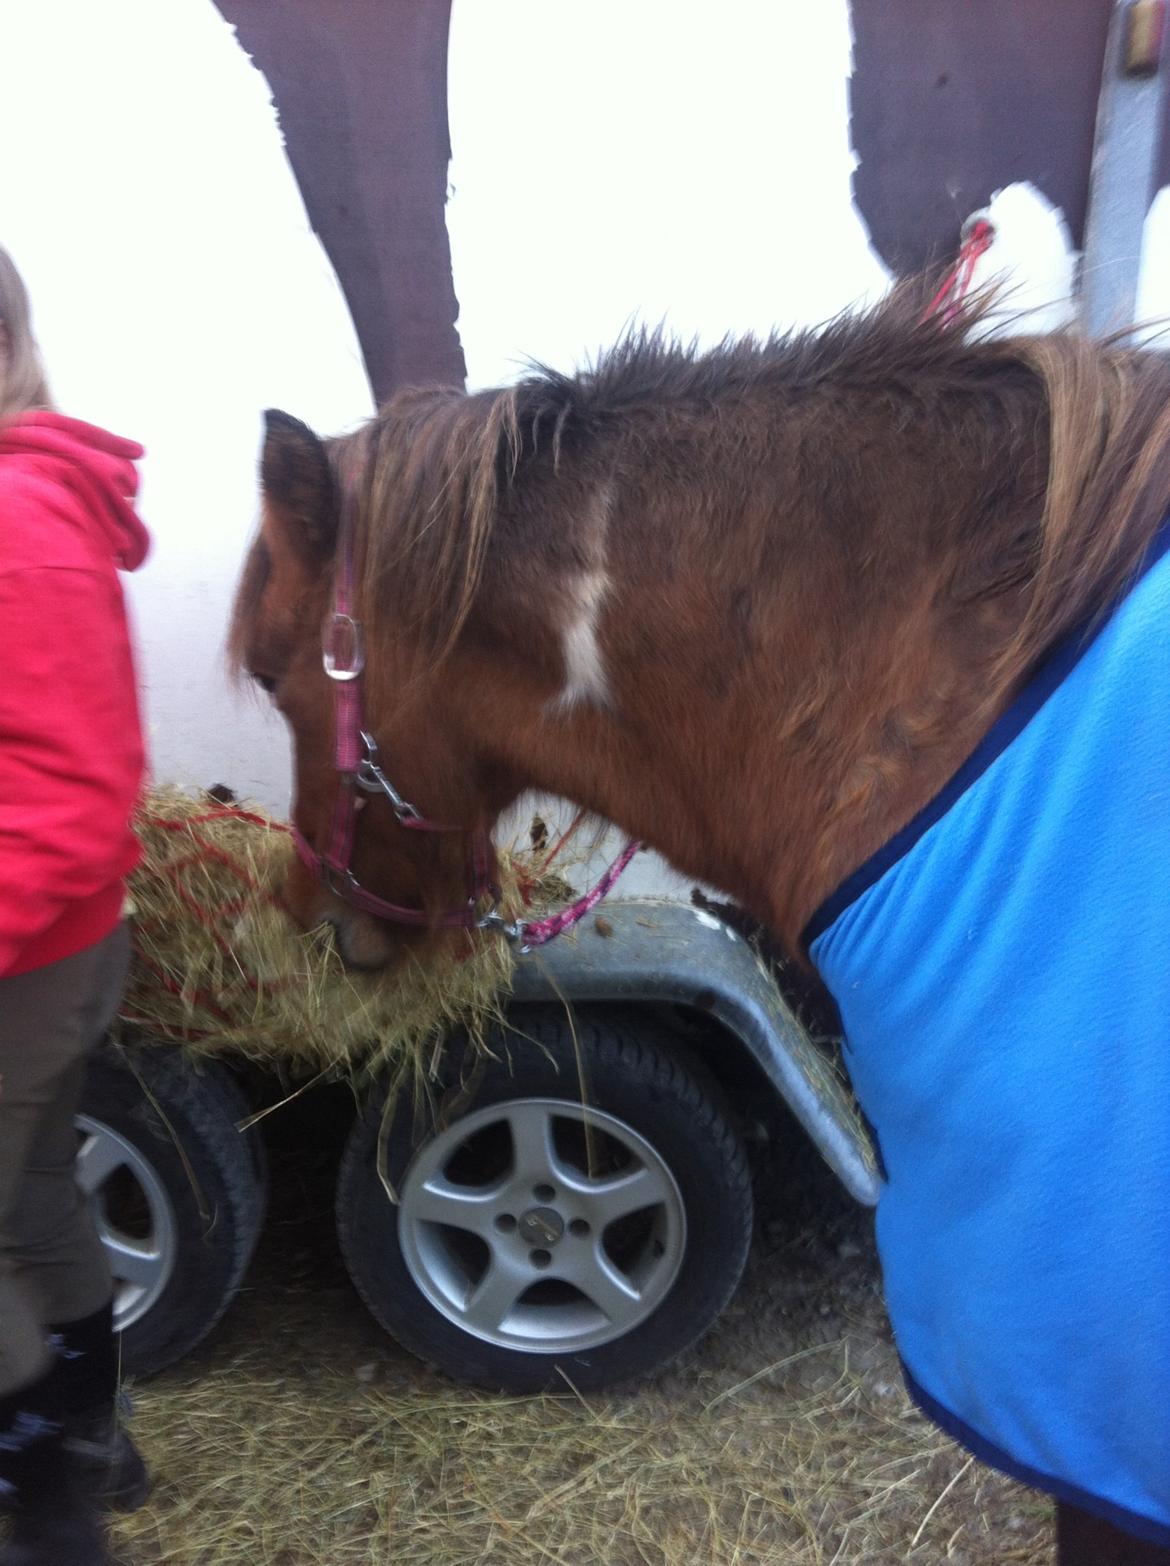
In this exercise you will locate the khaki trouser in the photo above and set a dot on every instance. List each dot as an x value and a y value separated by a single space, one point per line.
52 1266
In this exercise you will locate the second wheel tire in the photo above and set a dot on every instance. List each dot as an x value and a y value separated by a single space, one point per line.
540 1230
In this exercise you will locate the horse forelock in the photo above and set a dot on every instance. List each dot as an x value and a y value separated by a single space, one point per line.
424 480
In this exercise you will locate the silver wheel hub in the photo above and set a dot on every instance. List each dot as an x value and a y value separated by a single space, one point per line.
542 1226
133 1214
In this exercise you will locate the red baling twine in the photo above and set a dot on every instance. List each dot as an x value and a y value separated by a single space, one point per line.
204 851
978 239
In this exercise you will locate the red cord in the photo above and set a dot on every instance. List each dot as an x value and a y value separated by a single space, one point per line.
560 843
204 851
956 284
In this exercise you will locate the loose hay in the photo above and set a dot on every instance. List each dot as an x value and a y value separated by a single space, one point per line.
264 1468
220 967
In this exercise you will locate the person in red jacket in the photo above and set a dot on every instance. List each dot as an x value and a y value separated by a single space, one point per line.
71 768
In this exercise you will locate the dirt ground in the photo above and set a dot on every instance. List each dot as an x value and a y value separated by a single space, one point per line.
301 1435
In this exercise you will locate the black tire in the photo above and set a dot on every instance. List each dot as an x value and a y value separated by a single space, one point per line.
180 1123
636 1072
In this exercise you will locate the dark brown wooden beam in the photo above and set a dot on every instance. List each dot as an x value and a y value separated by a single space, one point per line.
361 91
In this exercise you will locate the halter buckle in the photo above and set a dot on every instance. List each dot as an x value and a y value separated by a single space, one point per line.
370 778
342 653
511 929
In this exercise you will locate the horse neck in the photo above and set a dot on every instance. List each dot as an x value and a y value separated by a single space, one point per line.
764 726
763 641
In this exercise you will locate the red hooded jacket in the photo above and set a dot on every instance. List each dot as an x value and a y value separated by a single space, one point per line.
71 756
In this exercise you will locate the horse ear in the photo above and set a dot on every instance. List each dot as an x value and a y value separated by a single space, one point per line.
298 484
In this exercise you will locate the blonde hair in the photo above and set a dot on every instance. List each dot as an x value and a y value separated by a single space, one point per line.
22 377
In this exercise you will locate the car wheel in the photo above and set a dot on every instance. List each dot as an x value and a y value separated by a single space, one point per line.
177 1192
540 1234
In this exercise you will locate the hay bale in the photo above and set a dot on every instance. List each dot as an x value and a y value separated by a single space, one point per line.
219 966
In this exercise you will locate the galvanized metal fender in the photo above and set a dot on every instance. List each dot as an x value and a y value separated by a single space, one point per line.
658 950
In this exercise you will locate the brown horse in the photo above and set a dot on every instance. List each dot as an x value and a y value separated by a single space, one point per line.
755 605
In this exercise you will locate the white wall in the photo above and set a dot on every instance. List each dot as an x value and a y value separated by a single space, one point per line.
1153 300
666 160
178 290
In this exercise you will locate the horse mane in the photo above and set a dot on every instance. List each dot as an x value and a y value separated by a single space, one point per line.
433 473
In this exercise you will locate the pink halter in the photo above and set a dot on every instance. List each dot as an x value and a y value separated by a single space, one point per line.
358 766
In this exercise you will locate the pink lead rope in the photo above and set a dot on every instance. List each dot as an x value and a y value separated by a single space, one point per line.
540 931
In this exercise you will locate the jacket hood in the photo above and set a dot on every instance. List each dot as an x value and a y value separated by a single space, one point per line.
97 466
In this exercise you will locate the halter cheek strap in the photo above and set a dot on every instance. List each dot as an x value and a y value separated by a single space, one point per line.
358 765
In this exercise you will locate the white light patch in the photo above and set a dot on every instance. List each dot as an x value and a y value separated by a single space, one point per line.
206 264
1033 258
583 598
722 229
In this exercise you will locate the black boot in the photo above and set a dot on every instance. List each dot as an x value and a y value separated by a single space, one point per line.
54 1516
95 1436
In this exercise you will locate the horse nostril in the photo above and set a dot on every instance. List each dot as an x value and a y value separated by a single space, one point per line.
362 945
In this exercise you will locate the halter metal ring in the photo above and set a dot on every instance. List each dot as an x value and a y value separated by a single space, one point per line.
330 874
342 654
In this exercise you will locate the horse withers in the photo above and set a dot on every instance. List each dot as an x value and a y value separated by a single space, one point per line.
867 626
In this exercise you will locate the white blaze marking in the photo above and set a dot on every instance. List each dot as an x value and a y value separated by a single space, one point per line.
585 679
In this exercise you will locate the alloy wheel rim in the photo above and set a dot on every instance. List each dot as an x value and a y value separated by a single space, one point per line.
567 1236
134 1217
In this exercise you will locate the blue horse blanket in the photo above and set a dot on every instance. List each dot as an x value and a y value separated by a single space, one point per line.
1002 968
